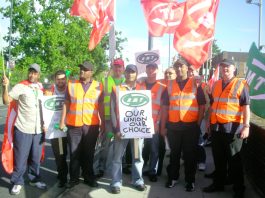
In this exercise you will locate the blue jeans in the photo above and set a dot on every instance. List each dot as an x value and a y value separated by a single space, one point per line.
27 152
119 148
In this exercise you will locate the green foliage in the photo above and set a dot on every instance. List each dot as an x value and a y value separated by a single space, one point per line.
215 49
44 32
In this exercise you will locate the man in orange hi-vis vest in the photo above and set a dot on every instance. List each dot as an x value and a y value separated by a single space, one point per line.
83 113
183 115
229 116
28 131
158 91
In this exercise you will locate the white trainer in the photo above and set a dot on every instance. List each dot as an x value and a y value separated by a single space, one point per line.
201 166
16 189
39 184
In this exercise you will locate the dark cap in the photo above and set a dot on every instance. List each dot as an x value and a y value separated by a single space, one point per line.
227 62
35 66
181 61
152 65
132 67
118 62
86 65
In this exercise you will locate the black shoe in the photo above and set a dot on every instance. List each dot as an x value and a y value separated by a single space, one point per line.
92 183
100 174
115 190
152 178
171 183
213 188
190 186
140 187
210 175
61 184
71 184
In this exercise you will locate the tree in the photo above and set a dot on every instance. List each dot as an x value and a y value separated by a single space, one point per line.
215 48
44 32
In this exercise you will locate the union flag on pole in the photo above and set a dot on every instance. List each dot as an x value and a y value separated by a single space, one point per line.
97 12
162 16
194 34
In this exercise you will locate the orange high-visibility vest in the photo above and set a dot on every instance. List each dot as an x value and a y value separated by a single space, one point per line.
156 93
83 106
226 107
183 105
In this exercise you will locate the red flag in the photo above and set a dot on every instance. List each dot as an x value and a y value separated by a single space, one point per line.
87 9
162 16
97 12
196 30
7 146
214 78
102 24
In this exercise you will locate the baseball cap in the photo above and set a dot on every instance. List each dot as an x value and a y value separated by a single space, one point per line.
152 65
35 66
132 67
118 61
86 65
227 62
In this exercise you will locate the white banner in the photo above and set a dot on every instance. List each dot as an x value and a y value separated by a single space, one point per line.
52 111
135 111
144 58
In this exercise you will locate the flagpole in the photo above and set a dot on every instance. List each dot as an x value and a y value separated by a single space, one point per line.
150 41
169 46
112 38
10 31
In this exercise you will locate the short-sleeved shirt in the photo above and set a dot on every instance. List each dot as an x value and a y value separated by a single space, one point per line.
28 100
200 100
232 127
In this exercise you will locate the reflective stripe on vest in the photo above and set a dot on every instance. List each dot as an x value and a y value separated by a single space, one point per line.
83 107
226 107
108 83
156 93
183 105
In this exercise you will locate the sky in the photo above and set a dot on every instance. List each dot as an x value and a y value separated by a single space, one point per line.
237 26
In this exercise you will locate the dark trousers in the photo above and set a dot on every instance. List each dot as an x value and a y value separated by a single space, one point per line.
185 140
226 151
59 148
161 154
201 154
82 141
27 152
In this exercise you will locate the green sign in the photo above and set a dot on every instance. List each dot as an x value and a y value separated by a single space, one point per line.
54 104
256 79
134 100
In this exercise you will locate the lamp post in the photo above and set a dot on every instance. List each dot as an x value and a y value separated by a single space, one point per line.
259 4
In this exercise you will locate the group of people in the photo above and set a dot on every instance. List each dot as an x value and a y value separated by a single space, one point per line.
91 112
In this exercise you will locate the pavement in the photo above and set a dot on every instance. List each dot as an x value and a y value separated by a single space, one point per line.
154 190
